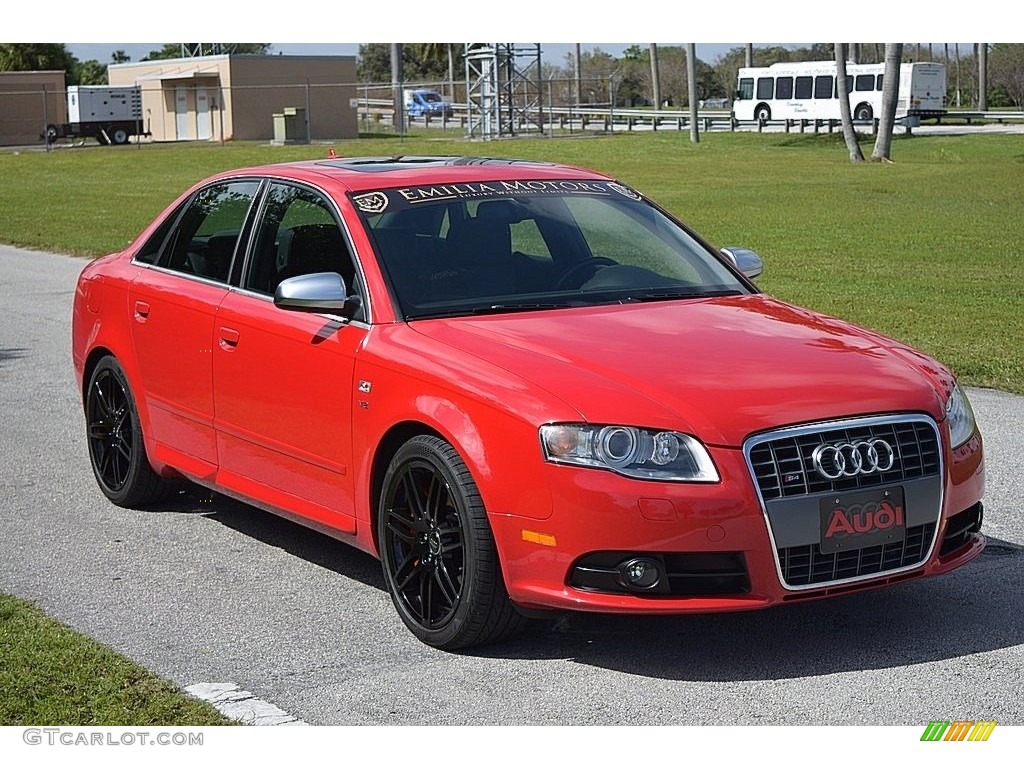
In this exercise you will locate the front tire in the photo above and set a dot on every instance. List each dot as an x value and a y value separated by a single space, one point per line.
864 113
763 113
437 551
116 448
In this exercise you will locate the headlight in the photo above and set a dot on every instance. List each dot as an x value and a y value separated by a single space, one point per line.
629 451
959 417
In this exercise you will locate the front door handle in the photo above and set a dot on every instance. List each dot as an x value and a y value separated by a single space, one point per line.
141 311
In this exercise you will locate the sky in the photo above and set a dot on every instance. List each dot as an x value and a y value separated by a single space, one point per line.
332 27
550 52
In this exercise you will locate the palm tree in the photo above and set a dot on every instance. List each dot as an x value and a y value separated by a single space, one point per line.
890 93
398 121
843 89
691 82
983 77
655 76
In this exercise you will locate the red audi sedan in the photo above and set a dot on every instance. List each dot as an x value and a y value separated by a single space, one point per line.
523 387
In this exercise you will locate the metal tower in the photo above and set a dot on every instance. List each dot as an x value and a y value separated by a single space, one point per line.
503 89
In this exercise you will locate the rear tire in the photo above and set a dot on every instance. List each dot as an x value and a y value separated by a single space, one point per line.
437 551
863 113
114 435
118 136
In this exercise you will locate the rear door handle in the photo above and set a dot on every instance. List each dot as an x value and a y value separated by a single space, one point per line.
228 338
141 311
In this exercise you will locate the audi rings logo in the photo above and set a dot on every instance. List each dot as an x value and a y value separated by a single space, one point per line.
852 459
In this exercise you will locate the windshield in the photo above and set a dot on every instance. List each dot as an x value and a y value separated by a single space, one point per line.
470 248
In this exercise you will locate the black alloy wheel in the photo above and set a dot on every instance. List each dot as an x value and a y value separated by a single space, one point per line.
438 555
116 447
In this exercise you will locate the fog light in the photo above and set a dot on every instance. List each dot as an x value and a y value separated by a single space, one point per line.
640 573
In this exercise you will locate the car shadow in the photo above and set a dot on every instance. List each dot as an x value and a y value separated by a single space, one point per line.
12 353
972 610
297 540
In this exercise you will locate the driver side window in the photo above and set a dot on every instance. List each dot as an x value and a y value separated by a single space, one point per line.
297 234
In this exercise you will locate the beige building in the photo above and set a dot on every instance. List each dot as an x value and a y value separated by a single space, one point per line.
237 96
29 101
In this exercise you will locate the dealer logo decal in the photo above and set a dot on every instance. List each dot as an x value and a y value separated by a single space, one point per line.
373 202
624 191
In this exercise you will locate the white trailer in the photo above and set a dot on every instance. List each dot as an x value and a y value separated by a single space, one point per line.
110 115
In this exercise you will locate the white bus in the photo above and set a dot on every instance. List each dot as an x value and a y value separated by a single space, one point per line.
807 91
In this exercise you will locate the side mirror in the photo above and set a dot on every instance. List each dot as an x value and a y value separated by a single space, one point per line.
317 292
745 260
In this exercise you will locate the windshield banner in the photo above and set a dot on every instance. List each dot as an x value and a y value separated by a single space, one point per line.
387 199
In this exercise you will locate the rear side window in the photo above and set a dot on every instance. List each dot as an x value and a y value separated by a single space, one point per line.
150 250
205 238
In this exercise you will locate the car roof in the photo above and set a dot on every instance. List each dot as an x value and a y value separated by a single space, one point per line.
364 173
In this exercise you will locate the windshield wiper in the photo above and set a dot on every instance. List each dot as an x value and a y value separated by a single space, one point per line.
495 309
689 293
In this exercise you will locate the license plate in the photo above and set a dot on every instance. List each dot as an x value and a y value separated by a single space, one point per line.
865 519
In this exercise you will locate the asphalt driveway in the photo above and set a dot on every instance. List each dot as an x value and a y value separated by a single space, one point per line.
207 590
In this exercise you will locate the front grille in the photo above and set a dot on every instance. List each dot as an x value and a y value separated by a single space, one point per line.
806 565
783 467
796 497
959 529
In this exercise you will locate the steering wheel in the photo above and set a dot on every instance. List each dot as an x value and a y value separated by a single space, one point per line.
594 263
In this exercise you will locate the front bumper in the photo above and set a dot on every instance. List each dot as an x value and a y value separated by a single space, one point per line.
703 534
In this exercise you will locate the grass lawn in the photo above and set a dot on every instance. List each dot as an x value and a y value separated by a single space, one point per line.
50 675
927 250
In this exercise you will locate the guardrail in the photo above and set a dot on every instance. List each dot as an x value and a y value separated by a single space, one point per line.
604 119
380 112
997 116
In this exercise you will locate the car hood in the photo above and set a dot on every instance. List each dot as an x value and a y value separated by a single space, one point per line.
720 368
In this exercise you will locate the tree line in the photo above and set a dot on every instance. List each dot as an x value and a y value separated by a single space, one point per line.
631 79
597 77
29 57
